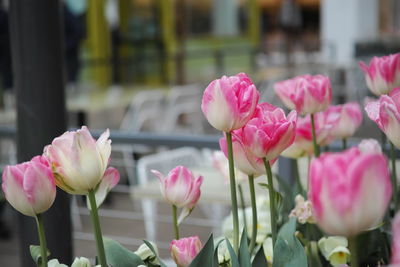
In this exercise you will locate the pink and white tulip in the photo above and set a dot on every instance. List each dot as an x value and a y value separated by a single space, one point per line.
78 160
385 112
350 191
221 164
244 160
184 250
303 142
228 103
382 74
307 94
345 118
395 260
369 146
29 187
269 132
180 187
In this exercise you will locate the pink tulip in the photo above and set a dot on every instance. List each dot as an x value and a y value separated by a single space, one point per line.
382 74
345 119
228 103
244 160
395 261
350 191
29 187
386 114
303 142
269 132
184 250
180 187
79 161
307 94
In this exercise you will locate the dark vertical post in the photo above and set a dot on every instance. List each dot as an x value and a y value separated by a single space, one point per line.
286 169
37 52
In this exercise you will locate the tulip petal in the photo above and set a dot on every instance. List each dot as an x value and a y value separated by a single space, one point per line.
108 182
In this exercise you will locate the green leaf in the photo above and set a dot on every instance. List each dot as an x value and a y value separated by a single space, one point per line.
206 255
260 260
288 251
244 255
119 256
36 254
234 259
162 264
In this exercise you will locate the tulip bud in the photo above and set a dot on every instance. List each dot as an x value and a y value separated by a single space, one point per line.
180 187
184 250
345 119
29 187
382 74
79 161
146 254
269 132
334 249
341 189
369 146
307 94
228 103
385 112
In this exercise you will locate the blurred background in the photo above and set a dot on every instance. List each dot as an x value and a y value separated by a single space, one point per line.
139 67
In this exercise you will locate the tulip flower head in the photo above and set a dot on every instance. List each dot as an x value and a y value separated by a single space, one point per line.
180 187
228 103
29 187
303 142
244 160
385 112
184 250
269 132
341 189
78 160
382 74
307 94
221 164
345 118
369 146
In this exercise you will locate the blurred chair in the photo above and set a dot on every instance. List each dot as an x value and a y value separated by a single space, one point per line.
144 114
183 113
162 162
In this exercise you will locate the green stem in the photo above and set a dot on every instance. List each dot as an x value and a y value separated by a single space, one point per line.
353 251
297 177
243 205
42 239
97 229
175 221
254 213
232 180
271 200
394 173
314 137
344 143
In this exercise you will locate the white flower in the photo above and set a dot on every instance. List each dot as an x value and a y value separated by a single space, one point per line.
81 262
145 253
303 210
334 249
268 250
55 263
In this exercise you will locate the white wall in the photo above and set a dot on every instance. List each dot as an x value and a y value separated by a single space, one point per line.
343 23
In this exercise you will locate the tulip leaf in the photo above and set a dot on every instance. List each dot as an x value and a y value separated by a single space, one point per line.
119 256
244 255
205 256
260 260
36 254
162 264
288 250
234 259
